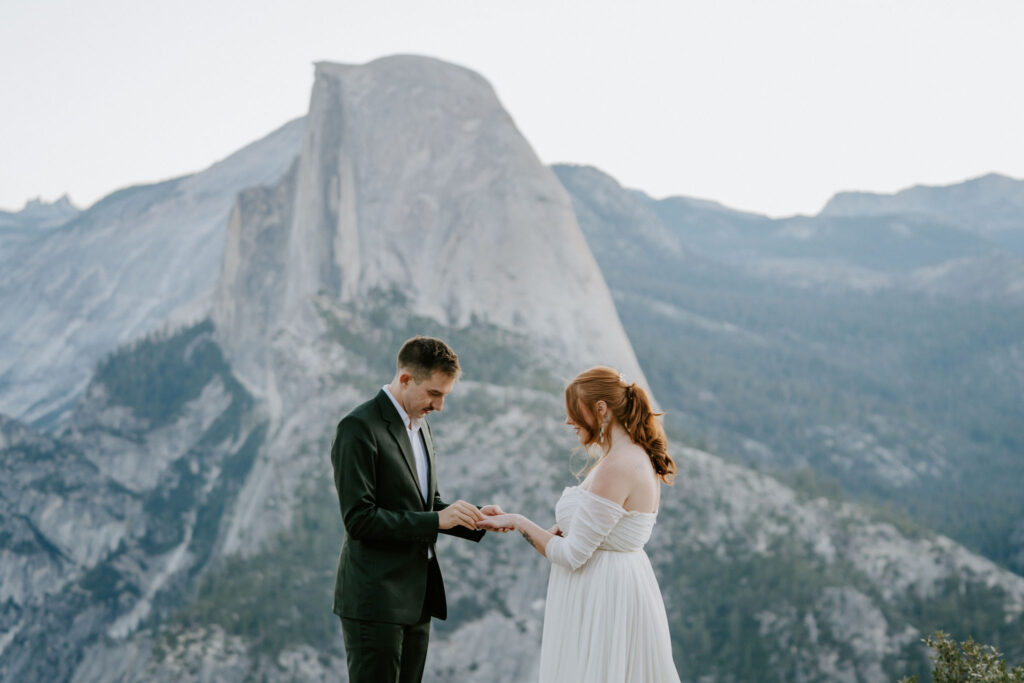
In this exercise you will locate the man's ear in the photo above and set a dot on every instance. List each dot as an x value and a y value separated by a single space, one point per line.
404 378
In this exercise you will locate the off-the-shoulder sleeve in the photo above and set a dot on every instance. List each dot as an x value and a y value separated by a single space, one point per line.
594 520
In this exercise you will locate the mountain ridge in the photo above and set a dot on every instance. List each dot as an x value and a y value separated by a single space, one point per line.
115 271
991 205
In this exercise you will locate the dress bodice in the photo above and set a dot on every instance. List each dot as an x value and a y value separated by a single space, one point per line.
630 532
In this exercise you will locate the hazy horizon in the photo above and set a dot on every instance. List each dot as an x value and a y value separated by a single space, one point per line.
764 108
56 198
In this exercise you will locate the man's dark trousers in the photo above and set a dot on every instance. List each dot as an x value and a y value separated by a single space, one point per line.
382 652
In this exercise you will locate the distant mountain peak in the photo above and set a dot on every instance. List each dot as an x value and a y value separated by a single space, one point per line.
991 205
36 203
986 189
39 213
994 177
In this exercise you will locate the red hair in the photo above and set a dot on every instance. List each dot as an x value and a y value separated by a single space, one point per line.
629 406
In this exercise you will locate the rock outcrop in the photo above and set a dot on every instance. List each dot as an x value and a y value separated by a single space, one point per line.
413 179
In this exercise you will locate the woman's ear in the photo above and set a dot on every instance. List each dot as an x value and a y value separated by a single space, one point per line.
602 410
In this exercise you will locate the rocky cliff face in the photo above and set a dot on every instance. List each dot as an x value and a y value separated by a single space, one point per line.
104 523
413 179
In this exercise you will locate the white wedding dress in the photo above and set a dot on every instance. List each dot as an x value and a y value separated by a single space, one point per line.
604 620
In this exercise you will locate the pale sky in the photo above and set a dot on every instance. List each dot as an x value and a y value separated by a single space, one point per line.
765 105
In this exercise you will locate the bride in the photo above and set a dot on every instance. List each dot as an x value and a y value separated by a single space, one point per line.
604 618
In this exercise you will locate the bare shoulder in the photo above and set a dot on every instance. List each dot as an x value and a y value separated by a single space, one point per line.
618 473
631 460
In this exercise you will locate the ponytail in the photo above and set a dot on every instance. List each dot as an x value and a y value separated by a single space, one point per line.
643 427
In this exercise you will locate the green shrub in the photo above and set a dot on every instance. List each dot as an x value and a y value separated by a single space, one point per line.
967 662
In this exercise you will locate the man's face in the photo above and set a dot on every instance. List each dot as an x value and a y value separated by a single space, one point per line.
427 396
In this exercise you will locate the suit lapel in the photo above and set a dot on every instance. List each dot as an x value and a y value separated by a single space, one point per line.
431 476
401 436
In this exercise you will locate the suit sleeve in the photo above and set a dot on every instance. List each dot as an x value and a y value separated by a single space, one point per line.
353 457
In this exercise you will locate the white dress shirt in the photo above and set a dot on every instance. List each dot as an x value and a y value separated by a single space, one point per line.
419 450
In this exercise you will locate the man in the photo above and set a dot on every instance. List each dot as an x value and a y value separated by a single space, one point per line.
389 583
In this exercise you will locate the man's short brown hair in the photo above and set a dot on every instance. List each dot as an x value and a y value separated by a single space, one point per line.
422 356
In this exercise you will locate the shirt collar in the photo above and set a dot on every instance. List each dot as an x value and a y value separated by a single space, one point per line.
410 424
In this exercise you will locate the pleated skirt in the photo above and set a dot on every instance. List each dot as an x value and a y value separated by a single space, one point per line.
606 623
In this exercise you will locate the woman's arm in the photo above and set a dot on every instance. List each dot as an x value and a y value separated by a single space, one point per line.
534 535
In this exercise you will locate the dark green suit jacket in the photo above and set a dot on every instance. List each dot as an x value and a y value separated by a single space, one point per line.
382 571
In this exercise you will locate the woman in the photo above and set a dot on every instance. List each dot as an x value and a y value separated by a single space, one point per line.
604 619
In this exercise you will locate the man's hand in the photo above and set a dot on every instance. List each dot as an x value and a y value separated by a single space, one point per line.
459 513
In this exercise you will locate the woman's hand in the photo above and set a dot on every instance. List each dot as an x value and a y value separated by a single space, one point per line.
556 531
501 523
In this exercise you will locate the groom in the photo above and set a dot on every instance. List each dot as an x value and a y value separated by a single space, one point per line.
389 583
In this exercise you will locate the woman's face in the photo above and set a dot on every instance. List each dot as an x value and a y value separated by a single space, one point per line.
582 430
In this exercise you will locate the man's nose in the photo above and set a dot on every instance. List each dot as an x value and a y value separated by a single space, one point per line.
438 404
